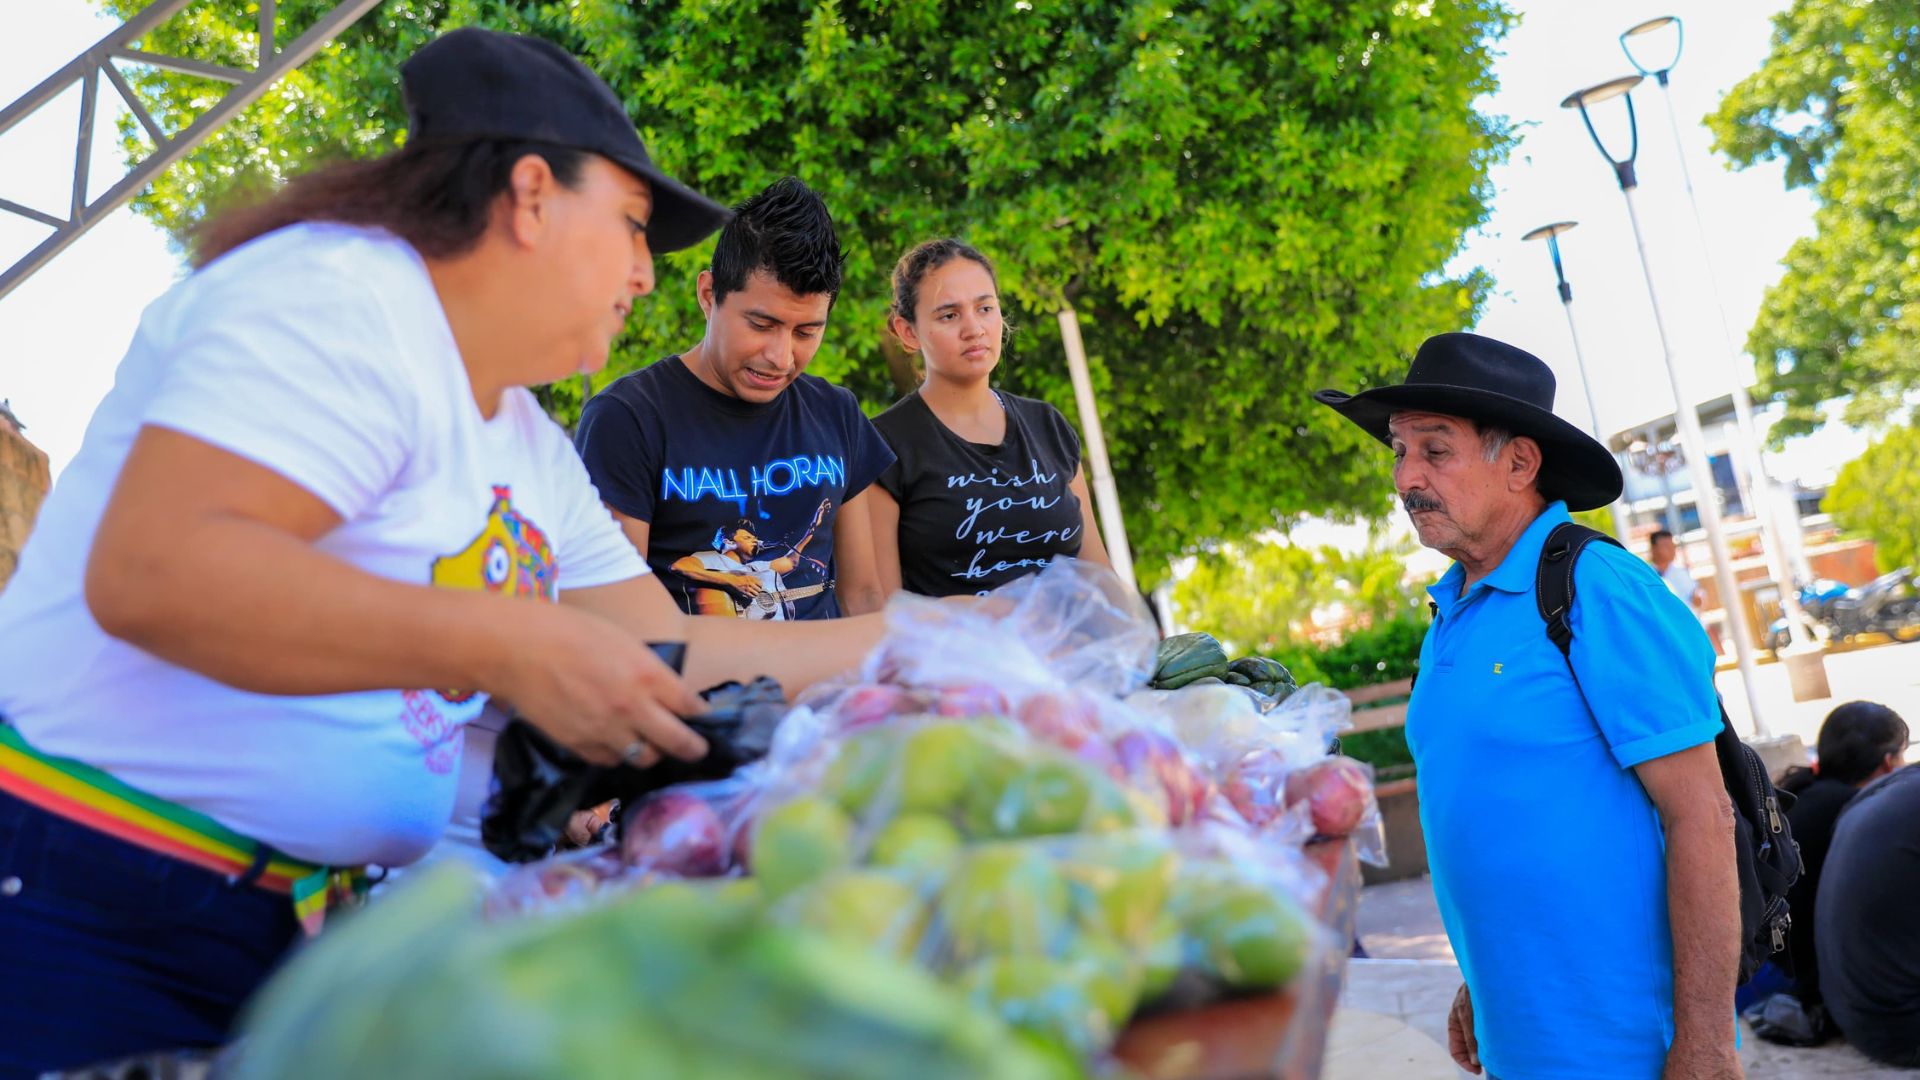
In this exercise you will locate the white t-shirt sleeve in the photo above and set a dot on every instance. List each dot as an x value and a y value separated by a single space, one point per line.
591 548
299 375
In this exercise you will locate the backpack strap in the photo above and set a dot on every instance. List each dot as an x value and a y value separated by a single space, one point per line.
1553 581
1766 868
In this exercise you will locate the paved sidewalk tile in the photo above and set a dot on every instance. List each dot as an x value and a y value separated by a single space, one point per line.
1371 1046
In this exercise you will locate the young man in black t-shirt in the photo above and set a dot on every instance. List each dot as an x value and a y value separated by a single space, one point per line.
741 478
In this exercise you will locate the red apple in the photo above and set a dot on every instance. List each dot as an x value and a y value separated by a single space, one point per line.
1063 719
1151 757
871 704
971 700
1337 792
676 832
1254 786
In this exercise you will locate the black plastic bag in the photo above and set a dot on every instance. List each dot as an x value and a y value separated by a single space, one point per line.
539 784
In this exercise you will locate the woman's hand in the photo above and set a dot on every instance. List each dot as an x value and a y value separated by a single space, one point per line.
594 688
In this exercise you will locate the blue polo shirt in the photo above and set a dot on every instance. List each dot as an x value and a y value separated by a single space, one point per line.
1547 855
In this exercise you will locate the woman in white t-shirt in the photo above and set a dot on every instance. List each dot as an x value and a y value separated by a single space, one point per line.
314 526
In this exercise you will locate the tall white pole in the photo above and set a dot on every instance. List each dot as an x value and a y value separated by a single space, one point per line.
1106 497
1759 487
1593 407
1706 497
1580 361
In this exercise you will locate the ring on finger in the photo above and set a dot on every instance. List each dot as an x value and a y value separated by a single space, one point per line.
634 749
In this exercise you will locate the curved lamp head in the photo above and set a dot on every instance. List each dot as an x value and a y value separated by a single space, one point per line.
1551 234
1548 232
1607 91
1644 34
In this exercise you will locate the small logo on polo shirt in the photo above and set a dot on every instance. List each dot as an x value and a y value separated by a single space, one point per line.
1497 667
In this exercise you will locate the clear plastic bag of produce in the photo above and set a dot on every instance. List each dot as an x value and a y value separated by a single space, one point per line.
539 785
1336 796
1218 724
688 831
1044 880
559 883
682 979
1056 767
1067 936
987 776
1073 624
1271 764
1051 655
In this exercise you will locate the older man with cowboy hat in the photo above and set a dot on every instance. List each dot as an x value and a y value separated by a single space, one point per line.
1579 832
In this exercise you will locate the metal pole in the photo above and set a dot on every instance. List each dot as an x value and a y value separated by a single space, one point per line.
1620 518
1706 498
50 87
1749 460
87 66
1551 234
1106 497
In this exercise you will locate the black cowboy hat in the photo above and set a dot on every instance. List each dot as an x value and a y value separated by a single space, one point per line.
1488 381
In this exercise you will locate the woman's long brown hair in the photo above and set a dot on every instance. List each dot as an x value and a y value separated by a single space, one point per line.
436 197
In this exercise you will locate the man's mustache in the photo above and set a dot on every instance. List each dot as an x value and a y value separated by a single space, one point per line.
1414 501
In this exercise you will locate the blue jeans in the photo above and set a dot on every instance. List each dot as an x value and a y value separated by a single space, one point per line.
108 949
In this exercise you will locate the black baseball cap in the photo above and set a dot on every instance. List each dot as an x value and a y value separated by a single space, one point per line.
482 84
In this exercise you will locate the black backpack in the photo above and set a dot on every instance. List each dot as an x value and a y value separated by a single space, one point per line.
1768 858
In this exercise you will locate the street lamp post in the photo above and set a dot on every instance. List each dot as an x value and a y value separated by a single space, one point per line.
1686 419
1551 234
1759 486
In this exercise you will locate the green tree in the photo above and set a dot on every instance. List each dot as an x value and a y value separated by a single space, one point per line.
1835 101
1878 495
1599 517
1262 596
1245 200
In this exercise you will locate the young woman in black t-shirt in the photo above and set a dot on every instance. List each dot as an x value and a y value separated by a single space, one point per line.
986 486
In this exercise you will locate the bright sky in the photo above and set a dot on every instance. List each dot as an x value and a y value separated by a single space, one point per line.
1556 174
62 332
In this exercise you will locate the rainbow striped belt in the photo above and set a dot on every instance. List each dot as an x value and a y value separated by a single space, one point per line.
84 794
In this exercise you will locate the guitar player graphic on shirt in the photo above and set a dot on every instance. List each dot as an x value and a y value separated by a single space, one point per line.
732 580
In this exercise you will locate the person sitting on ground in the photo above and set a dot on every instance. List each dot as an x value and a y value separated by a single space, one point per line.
1859 743
1868 939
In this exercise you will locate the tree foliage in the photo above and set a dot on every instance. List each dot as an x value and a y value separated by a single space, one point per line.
1878 494
1245 200
1838 102
1265 596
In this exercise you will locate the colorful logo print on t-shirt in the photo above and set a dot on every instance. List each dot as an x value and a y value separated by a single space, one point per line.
511 556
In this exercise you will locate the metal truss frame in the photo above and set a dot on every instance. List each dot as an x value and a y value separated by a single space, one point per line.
97 63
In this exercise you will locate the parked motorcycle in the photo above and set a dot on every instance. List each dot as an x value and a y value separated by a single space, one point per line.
1889 604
